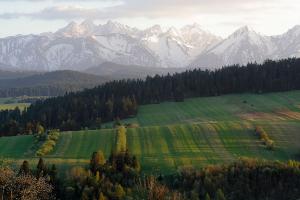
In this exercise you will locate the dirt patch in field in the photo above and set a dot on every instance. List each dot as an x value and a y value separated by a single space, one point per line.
289 114
276 116
262 116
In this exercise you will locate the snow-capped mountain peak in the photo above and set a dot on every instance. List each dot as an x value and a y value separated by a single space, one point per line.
173 32
243 46
112 27
81 45
154 30
289 43
193 28
243 31
194 35
294 32
74 29
88 26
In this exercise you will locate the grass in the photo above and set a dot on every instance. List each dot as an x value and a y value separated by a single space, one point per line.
81 144
12 104
224 108
16 147
197 132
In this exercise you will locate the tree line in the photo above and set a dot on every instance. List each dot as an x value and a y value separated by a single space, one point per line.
119 178
120 99
245 179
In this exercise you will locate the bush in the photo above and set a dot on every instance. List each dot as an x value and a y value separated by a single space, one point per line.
270 144
264 137
49 144
121 143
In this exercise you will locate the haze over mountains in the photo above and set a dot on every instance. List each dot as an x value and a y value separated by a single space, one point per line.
55 78
85 45
117 71
56 83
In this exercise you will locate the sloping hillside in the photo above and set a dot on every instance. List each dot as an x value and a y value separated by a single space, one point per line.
65 77
197 132
48 84
5 74
117 71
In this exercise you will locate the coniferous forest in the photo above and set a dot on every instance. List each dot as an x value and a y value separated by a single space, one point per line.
120 99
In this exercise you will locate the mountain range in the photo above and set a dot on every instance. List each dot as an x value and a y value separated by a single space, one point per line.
246 46
80 46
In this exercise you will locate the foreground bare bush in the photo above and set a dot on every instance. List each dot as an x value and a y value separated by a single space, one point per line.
151 189
23 186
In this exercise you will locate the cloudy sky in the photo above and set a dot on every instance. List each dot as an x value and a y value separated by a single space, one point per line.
221 17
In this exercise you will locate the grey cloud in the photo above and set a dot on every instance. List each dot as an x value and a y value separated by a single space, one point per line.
69 12
52 13
148 8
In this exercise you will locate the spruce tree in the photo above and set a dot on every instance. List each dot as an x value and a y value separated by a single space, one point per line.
24 169
41 168
220 195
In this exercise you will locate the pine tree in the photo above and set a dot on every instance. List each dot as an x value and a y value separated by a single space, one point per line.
41 168
109 109
220 195
207 197
119 192
101 158
24 169
96 161
136 164
102 197
39 129
53 173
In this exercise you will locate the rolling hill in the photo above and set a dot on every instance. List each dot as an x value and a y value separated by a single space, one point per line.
118 71
197 132
47 83
65 77
18 83
6 74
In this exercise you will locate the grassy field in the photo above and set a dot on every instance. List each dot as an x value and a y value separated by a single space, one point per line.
12 106
11 103
197 132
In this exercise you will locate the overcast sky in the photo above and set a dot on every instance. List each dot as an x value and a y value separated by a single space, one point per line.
221 17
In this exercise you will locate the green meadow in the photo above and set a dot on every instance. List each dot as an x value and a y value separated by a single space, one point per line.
11 103
197 132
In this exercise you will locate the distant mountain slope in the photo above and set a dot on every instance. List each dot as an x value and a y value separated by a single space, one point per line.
17 83
55 78
289 43
49 84
5 74
6 67
117 71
